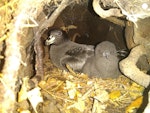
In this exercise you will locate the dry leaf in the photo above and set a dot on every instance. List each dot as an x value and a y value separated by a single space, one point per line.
134 105
100 95
22 95
114 95
72 90
1 75
35 98
25 111
80 105
135 90
98 107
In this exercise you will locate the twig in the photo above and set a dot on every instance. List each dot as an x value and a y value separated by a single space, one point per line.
70 70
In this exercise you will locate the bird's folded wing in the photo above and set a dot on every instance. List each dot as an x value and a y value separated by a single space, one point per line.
75 63
81 51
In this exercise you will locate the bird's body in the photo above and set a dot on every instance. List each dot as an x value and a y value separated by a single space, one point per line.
104 63
63 51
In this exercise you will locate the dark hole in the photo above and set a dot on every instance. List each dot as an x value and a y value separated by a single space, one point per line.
90 29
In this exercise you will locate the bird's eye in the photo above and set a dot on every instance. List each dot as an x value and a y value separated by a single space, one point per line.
50 37
59 33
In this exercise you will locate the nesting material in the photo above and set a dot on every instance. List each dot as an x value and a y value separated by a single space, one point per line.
74 92
85 95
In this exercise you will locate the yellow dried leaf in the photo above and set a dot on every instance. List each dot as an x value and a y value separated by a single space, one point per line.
24 111
98 107
114 94
135 90
134 105
23 106
70 85
72 93
80 105
42 84
101 95
72 90
52 81
1 75
22 95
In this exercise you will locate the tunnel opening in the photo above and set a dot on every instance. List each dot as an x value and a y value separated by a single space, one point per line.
86 27
83 26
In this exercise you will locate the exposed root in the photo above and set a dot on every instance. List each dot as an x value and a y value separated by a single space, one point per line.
129 68
44 23
105 13
108 14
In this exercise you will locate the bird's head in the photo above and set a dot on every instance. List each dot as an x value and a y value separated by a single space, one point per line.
56 37
105 49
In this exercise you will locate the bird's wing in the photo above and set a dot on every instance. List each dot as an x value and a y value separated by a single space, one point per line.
81 51
75 63
76 56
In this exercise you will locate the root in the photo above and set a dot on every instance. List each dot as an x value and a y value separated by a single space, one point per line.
109 14
129 68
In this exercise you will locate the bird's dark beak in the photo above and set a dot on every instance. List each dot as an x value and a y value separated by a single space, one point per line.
50 40
106 54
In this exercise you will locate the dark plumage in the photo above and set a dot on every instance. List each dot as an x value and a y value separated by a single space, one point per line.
104 63
63 51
